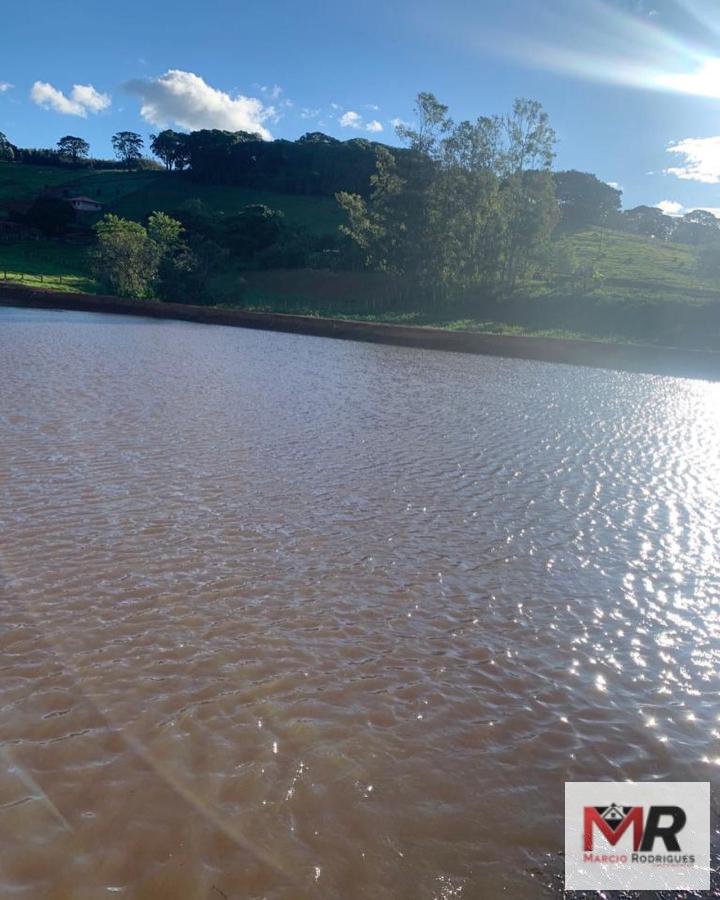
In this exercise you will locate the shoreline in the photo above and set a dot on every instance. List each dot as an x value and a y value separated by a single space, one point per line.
674 361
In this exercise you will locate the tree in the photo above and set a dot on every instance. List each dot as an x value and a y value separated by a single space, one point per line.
432 123
51 215
473 205
255 228
128 147
375 225
703 218
73 148
317 137
126 258
171 148
165 231
585 201
7 150
649 221
697 227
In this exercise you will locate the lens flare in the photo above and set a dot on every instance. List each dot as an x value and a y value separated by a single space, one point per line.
598 41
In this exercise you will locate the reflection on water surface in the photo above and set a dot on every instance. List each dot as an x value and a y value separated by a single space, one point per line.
290 617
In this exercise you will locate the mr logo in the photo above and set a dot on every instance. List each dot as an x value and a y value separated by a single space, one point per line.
662 822
657 838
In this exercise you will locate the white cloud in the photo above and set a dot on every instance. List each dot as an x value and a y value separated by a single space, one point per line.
671 207
675 209
89 98
83 99
5 86
306 113
614 184
185 99
273 92
350 119
373 106
396 123
702 160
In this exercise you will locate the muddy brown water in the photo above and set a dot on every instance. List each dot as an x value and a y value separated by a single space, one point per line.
288 617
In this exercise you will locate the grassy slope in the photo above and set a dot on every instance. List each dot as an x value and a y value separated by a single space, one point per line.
25 182
137 194
616 254
631 268
319 215
47 264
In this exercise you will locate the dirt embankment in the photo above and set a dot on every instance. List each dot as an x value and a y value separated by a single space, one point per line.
627 357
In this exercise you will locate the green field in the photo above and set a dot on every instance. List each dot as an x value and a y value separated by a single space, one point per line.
135 195
168 192
47 264
616 254
25 182
643 289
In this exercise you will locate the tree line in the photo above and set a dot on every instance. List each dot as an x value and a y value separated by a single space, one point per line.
460 208
322 165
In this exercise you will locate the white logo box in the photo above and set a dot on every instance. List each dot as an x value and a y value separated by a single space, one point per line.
628 846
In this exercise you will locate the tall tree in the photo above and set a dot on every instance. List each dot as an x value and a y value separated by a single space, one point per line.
649 221
528 191
473 205
165 231
432 124
73 148
584 200
7 150
128 147
374 225
126 258
171 148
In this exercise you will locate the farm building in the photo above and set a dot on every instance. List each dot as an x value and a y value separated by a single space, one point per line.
85 204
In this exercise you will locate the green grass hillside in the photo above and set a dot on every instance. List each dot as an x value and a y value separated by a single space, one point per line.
319 215
616 254
135 195
51 265
644 289
25 182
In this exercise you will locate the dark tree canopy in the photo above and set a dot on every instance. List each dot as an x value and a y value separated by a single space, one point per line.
584 200
649 221
697 227
255 228
317 137
128 147
702 217
171 148
50 215
73 148
7 150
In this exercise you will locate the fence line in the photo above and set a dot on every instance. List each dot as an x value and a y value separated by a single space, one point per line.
29 276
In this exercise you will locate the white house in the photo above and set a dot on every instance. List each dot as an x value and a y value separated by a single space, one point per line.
84 204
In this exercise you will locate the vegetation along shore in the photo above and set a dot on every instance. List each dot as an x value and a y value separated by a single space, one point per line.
647 358
465 227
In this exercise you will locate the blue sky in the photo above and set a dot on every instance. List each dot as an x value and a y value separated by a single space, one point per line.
632 86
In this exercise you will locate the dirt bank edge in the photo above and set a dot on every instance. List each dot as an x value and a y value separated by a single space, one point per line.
626 357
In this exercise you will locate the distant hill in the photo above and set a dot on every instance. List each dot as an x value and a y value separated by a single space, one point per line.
637 286
136 194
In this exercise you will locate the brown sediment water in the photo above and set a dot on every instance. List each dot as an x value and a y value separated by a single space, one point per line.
658 360
288 617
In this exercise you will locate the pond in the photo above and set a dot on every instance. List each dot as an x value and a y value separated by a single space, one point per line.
289 617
